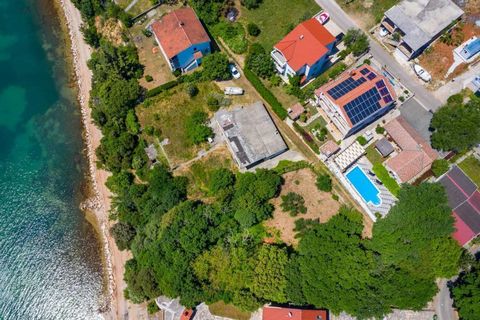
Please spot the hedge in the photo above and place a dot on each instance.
(157, 90)
(266, 94)
(285, 166)
(307, 138)
(382, 174)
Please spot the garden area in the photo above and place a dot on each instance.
(299, 188)
(380, 171)
(471, 166)
(276, 18)
(168, 114)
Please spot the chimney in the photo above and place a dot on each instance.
(290, 314)
(181, 24)
(301, 37)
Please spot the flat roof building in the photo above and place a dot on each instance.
(356, 98)
(251, 135)
(419, 22)
(384, 147)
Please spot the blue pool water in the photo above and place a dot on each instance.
(364, 186)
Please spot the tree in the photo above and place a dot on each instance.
(455, 127)
(416, 234)
(294, 203)
(196, 128)
(253, 29)
(123, 233)
(439, 167)
(259, 61)
(269, 282)
(221, 179)
(466, 293)
(356, 41)
(324, 182)
(251, 4)
(215, 67)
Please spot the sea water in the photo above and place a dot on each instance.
(50, 258)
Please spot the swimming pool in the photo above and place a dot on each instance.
(364, 186)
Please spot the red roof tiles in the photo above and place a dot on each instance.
(278, 313)
(179, 30)
(305, 44)
(416, 155)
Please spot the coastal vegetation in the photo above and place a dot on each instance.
(215, 250)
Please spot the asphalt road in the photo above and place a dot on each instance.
(443, 303)
(426, 99)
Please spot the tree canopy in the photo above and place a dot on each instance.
(466, 293)
(455, 126)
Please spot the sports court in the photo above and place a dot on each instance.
(464, 199)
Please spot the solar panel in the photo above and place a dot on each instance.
(364, 71)
(380, 84)
(363, 106)
(387, 99)
(345, 87)
(371, 76)
(384, 91)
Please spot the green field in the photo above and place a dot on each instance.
(373, 155)
(277, 17)
(471, 166)
(168, 112)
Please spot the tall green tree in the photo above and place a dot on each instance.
(455, 126)
(466, 293)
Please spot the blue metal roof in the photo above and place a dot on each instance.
(471, 49)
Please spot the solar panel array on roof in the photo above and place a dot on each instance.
(364, 71)
(380, 84)
(384, 91)
(363, 106)
(371, 76)
(345, 87)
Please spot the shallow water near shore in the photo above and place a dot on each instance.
(50, 257)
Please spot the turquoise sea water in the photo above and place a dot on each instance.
(50, 261)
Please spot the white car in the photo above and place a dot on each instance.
(234, 71)
(383, 32)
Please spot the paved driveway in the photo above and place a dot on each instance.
(424, 97)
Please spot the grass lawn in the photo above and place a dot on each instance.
(373, 155)
(275, 18)
(227, 310)
(199, 172)
(168, 113)
(471, 166)
(382, 174)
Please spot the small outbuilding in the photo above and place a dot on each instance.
(384, 147)
(295, 111)
(329, 148)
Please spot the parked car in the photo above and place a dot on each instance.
(383, 32)
(234, 71)
(323, 17)
(422, 73)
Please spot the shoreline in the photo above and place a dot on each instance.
(96, 207)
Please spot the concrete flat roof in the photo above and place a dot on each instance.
(422, 20)
(251, 134)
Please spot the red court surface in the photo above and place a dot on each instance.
(464, 199)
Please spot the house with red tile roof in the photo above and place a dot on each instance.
(414, 156)
(356, 98)
(182, 39)
(279, 313)
(304, 51)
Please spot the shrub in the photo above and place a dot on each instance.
(221, 179)
(260, 62)
(456, 99)
(253, 29)
(149, 130)
(152, 307)
(215, 67)
(285, 166)
(293, 203)
(147, 33)
(213, 103)
(362, 140)
(148, 78)
(251, 4)
(367, 61)
(439, 167)
(196, 128)
(177, 73)
(324, 182)
(335, 197)
(380, 130)
(192, 90)
(266, 94)
(382, 174)
(156, 91)
(306, 137)
(356, 41)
